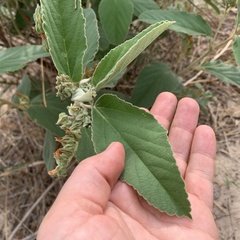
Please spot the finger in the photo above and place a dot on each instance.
(90, 184)
(182, 130)
(164, 107)
(200, 170)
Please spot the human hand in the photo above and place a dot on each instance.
(94, 204)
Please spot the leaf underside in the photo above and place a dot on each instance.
(121, 56)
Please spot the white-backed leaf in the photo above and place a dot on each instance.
(149, 164)
(15, 58)
(223, 71)
(119, 58)
(188, 23)
(64, 27)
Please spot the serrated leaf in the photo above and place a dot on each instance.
(15, 58)
(223, 71)
(149, 165)
(119, 58)
(116, 17)
(85, 146)
(49, 148)
(236, 49)
(47, 116)
(64, 27)
(187, 23)
(153, 79)
(92, 36)
(143, 5)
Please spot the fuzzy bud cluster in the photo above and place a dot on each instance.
(65, 86)
(37, 16)
(77, 118)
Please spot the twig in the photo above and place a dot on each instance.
(223, 50)
(193, 78)
(31, 209)
(213, 59)
(12, 170)
(220, 207)
(31, 236)
(6, 211)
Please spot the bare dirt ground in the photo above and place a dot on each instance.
(226, 123)
(27, 192)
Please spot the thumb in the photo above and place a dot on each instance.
(91, 182)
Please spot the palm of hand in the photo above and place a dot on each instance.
(117, 211)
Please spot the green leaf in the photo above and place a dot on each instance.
(119, 58)
(49, 148)
(47, 116)
(15, 58)
(149, 166)
(92, 36)
(116, 17)
(143, 5)
(64, 27)
(236, 49)
(153, 79)
(23, 88)
(85, 146)
(223, 71)
(103, 41)
(187, 23)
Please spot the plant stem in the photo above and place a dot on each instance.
(219, 26)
